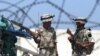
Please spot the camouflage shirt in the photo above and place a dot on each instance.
(83, 35)
(47, 38)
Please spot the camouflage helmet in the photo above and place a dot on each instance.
(80, 20)
(46, 17)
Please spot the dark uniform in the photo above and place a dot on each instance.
(8, 37)
(9, 40)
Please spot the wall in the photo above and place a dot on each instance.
(63, 45)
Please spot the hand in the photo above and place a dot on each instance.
(68, 31)
(85, 46)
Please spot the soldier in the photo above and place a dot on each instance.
(46, 37)
(2, 26)
(81, 39)
(8, 40)
(8, 37)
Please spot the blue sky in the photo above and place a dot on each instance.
(74, 7)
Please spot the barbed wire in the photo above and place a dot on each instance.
(93, 10)
(60, 14)
(15, 4)
(29, 6)
(25, 15)
(20, 9)
(58, 22)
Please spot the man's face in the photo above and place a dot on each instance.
(47, 25)
(80, 24)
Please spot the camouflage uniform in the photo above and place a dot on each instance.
(81, 35)
(47, 42)
(81, 40)
(46, 39)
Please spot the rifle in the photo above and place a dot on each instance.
(88, 45)
(23, 27)
(19, 24)
(33, 34)
(12, 21)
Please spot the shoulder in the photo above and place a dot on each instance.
(52, 29)
(87, 30)
(38, 30)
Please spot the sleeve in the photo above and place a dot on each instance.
(37, 36)
(54, 35)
